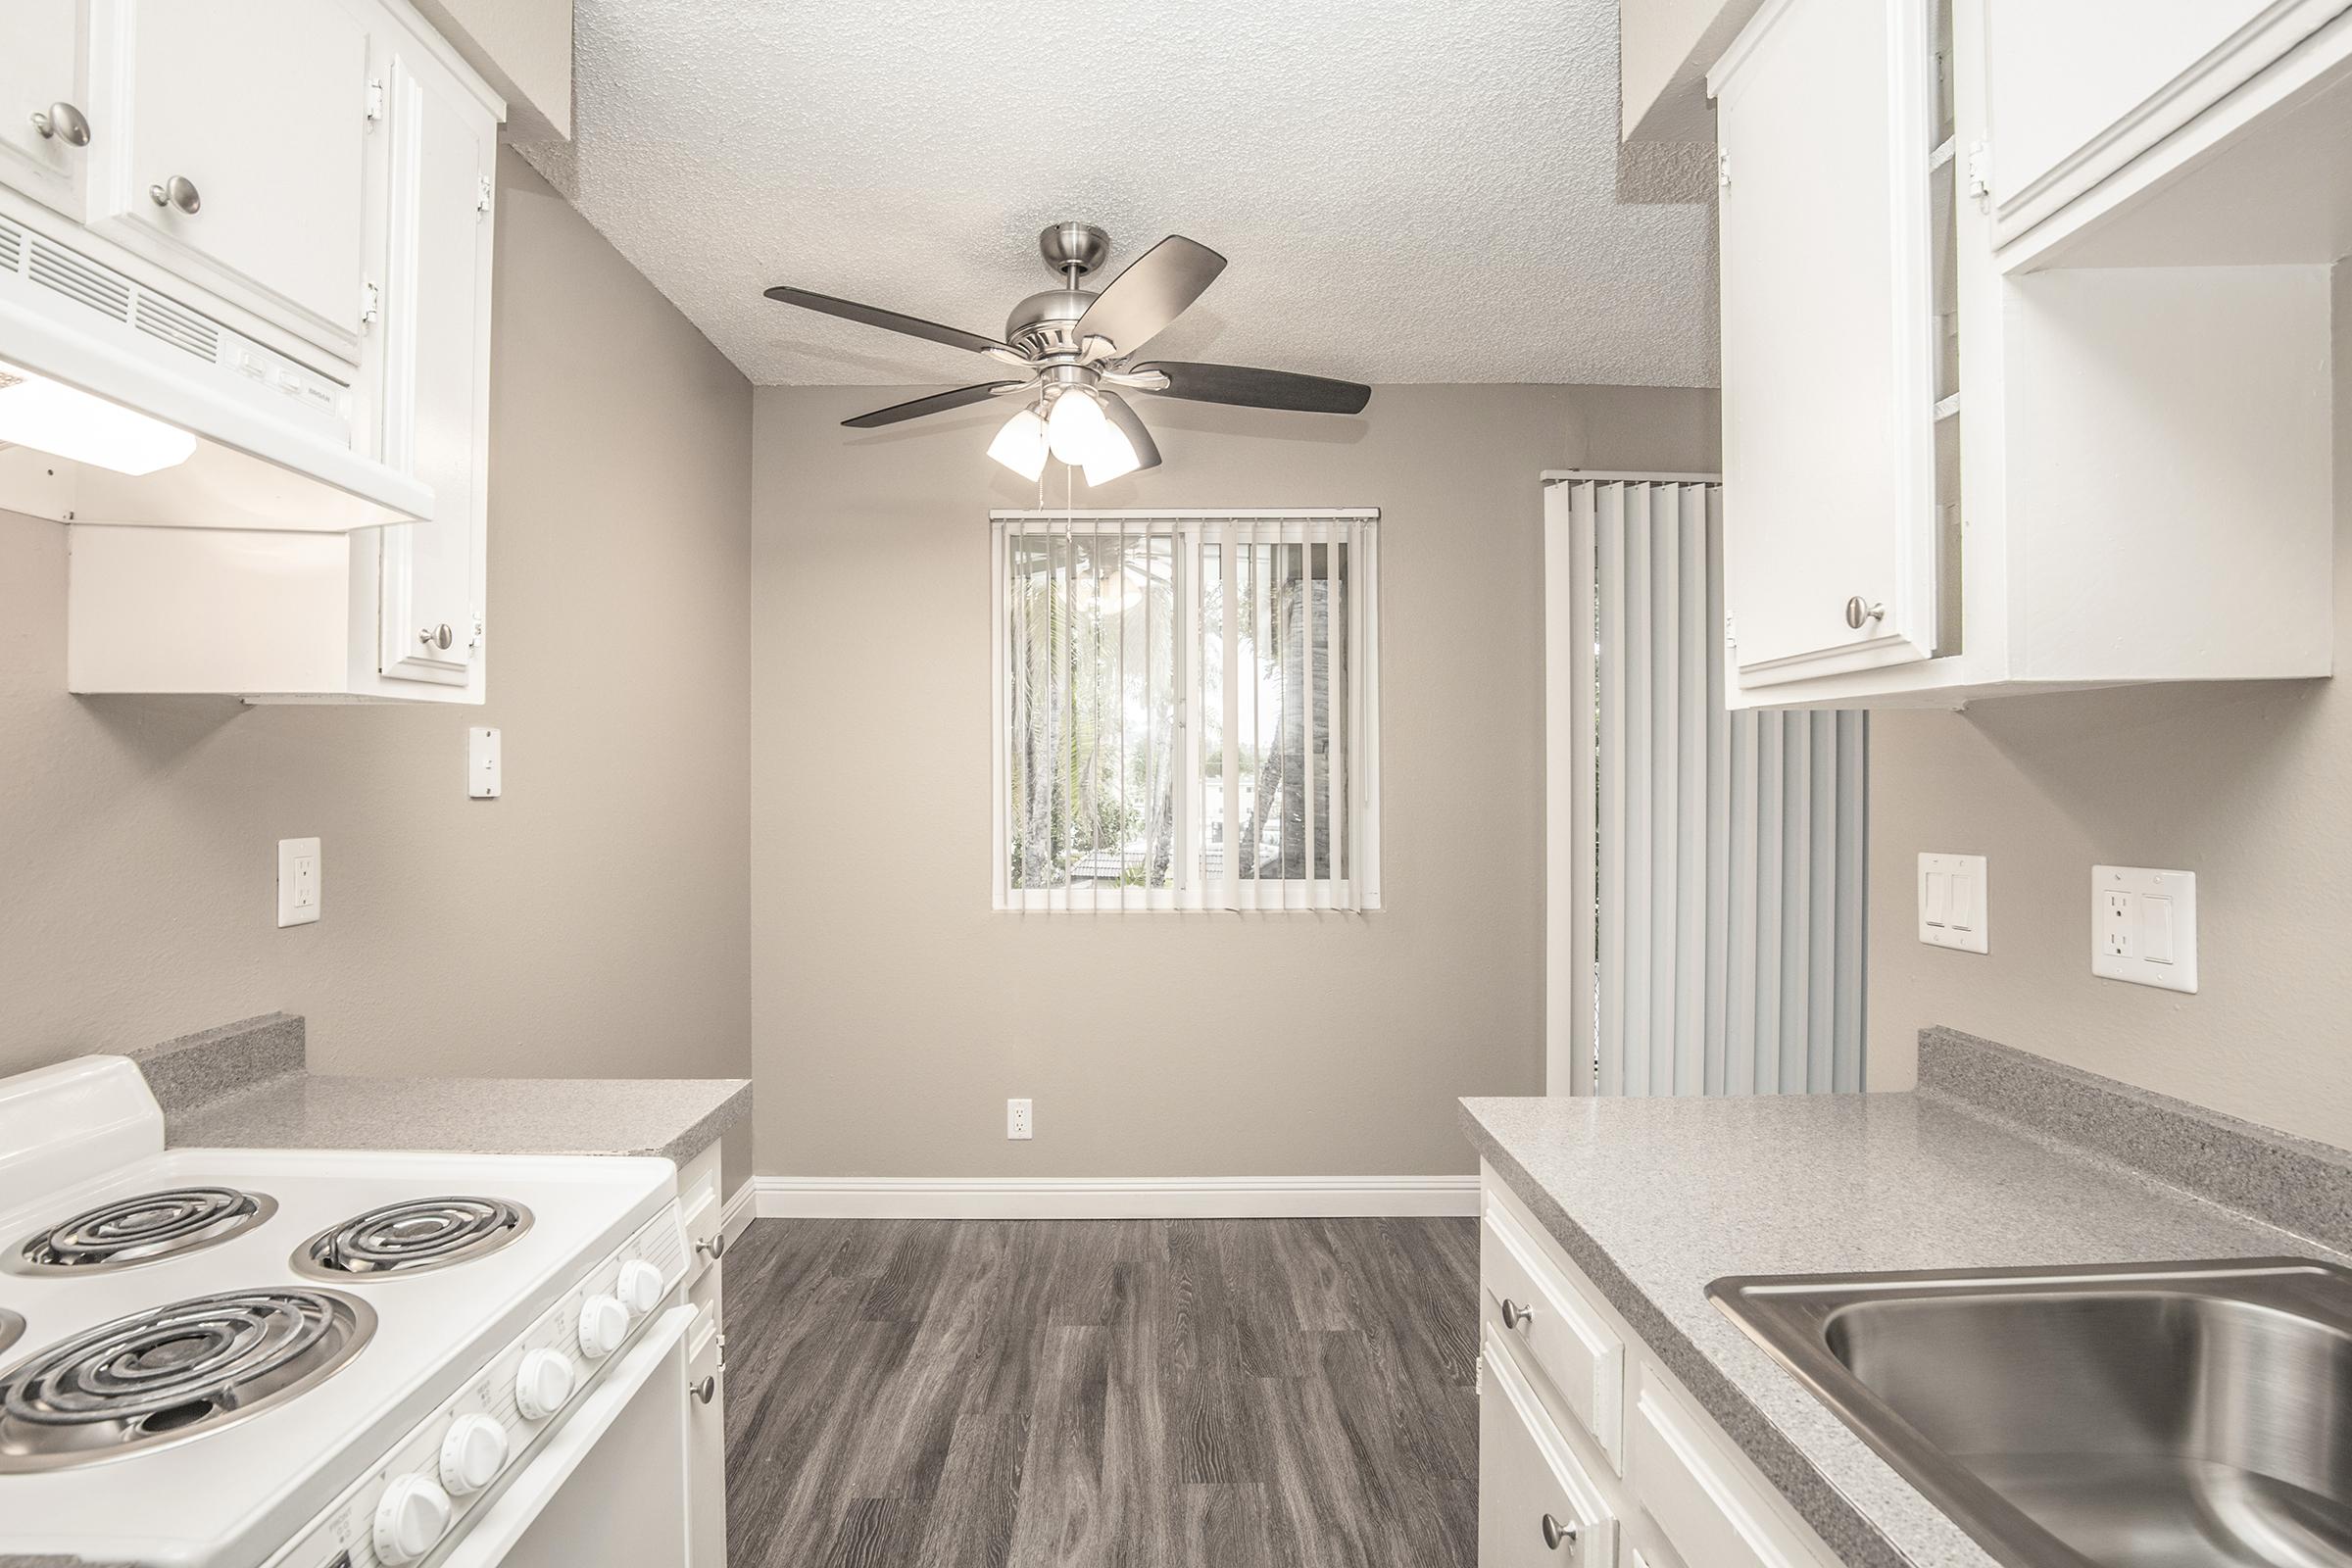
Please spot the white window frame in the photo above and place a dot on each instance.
(1195, 532)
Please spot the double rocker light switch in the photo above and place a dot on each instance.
(1951, 903)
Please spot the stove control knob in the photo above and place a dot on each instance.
(604, 1324)
(543, 1382)
(410, 1518)
(638, 1287)
(472, 1453)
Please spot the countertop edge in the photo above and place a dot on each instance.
(252, 1120)
(1815, 1496)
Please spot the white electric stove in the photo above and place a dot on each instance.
(225, 1358)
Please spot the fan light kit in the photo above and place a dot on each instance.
(1075, 348)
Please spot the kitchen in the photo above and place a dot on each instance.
(527, 761)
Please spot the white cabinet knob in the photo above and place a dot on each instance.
(472, 1453)
(410, 1518)
(638, 1287)
(543, 1382)
(604, 1324)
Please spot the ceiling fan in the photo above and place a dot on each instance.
(1076, 349)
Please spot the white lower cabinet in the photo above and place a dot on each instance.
(1536, 1505)
(705, 1441)
(1671, 1491)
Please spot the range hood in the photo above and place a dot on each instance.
(271, 437)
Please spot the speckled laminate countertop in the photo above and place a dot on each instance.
(1656, 1198)
(675, 1117)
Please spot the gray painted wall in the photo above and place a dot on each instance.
(2249, 786)
(894, 1013)
(593, 920)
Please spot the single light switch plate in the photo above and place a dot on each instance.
(1016, 1120)
(299, 879)
(1952, 907)
(483, 778)
(2143, 926)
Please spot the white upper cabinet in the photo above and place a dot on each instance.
(2150, 132)
(245, 159)
(338, 160)
(45, 127)
(1828, 393)
(437, 343)
(1950, 475)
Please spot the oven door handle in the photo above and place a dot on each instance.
(489, 1535)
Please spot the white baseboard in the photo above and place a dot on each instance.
(738, 1210)
(1112, 1197)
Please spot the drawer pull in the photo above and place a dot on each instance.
(704, 1390)
(1558, 1535)
(713, 1249)
(1515, 1316)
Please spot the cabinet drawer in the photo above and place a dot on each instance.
(1537, 1507)
(1697, 1494)
(1531, 1305)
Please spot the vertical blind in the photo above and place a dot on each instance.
(1716, 860)
(1187, 711)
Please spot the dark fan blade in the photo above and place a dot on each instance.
(1250, 388)
(888, 320)
(1152, 292)
(1131, 425)
(935, 403)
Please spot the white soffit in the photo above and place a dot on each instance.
(1419, 190)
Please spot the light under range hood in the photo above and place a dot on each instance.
(272, 437)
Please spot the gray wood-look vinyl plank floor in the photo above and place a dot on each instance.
(1148, 1393)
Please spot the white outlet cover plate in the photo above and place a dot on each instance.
(301, 876)
(484, 771)
(1017, 1120)
(1953, 908)
(2143, 926)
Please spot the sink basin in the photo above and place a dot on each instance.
(2169, 1415)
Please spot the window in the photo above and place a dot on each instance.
(1187, 711)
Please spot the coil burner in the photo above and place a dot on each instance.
(412, 1237)
(145, 1229)
(173, 1373)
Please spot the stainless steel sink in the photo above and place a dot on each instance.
(2168, 1415)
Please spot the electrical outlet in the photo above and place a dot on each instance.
(301, 878)
(1016, 1118)
(2143, 926)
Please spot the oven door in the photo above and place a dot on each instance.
(611, 1486)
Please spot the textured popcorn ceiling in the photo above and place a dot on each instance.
(1407, 190)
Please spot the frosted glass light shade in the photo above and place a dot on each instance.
(1075, 427)
(67, 422)
(1021, 445)
(1113, 455)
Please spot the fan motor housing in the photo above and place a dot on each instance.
(1043, 323)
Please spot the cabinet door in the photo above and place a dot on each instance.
(260, 109)
(43, 83)
(1537, 1508)
(1829, 337)
(437, 348)
(707, 1446)
(2081, 87)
